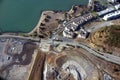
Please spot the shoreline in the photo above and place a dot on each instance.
(41, 18)
(38, 24)
(53, 11)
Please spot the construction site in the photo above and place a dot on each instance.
(24, 59)
(76, 64)
(16, 58)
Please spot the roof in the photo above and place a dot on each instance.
(117, 6)
(106, 11)
(110, 15)
(110, 9)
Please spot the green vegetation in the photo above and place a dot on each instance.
(114, 36)
(110, 52)
(34, 34)
(94, 14)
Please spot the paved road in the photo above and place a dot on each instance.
(105, 56)
(21, 37)
(104, 24)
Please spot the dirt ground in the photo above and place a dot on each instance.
(37, 71)
(77, 54)
(57, 61)
(104, 66)
(49, 22)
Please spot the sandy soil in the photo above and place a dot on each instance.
(37, 71)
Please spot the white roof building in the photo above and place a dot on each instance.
(112, 15)
(117, 6)
(72, 26)
(68, 34)
(113, 1)
(106, 11)
(83, 34)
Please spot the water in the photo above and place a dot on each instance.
(23, 15)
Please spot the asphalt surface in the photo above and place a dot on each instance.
(104, 24)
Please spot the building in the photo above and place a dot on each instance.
(75, 24)
(87, 17)
(103, 12)
(112, 1)
(108, 10)
(82, 34)
(117, 6)
(79, 20)
(68, 34)
(69, 30)
(71, 27)
(112, 15)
